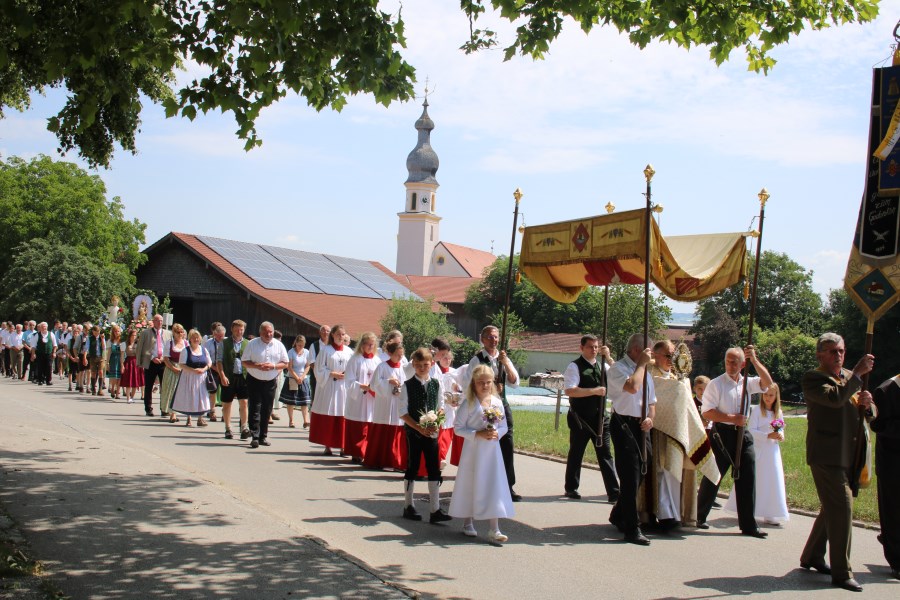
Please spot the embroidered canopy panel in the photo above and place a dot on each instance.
(563, 258)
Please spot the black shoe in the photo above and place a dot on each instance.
(149, 413)
(265, 442)
(245, 433)
(229, 435)
(411, 513)
(573, 495)
(851, 585)
(668, 524)
(895, 573)
(254, 443)
(612, 498)
(702, 525)
(756, 533)
(439, 516)
(820, 567)
(716, 504)
(515, 497)
(637, 537)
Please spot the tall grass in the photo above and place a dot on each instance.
(534, 433)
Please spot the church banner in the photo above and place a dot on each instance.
(873, 271)
(563, 258)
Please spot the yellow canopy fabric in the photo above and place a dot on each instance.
(563, 258)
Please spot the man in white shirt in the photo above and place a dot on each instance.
(27, 334)
(263, 358)
(722, 406)
(505, 374)
(625, 387)
(16, 347)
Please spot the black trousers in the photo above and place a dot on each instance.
(506, 447)
(261, 398)
(417, 445)
(628, 438)
(43, 368)
(150, 374)
(588, 410)
(744, 487)
(26, 363)
(887, 468)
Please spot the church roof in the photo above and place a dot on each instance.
(447, 290)
(422, 163)
(474, 261)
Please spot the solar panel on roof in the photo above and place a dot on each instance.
(374, 277)
(259, 265)
(296, 270)
(322, 273)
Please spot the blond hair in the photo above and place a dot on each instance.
(471, 395)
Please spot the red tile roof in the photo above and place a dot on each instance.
(450, 290)
(472, 260)
(357, 314)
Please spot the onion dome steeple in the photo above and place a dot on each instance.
(422, 163)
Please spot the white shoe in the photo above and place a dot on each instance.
(496, 537)
(131, 401)
(469, 530)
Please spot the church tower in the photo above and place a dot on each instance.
(419, 224)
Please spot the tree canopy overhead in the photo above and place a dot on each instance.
(107, 53)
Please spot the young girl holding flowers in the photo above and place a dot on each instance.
(481, 490)
(766, 424)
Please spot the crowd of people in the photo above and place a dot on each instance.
(371, 404)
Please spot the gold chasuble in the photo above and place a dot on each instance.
(680, 444)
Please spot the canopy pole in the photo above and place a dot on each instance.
(599, 442)
(745, 397)
(512, 249)
(648, 175)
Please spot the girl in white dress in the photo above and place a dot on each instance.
(771, 500)
(358, 411)
(386, 440)
(481, 490)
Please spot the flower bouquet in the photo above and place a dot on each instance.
(492, 416)
(777, 425)
(432, 421)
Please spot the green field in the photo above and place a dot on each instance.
(535, 433)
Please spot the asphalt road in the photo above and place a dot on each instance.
(119, 505)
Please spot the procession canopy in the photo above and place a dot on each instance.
(564, 258)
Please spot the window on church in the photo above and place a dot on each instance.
(433, 202)
(412, 205)
(440, 260)
(431, 237)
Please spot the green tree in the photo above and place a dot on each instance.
(788, 354)
(785, 298)
(716, 331)
(110, 53)
(59, 201)
(49, 280)
(540, 313)
(418, 321)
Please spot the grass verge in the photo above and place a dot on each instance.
(535, 433)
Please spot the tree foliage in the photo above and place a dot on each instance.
(59, 201)
(250, 53)
(540, 313)
(785, 299)
(787, 354)
(418, 321)
(716, 331)
(48, 280)
(757, 26)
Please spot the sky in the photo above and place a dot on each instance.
(573, 131)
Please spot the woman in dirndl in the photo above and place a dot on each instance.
(191, 396)
(171, 356)
(295, 393)
(114, 366)
(132, 374)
